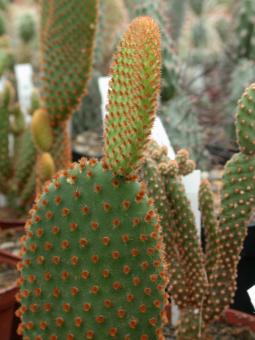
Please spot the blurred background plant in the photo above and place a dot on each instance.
(208, 51)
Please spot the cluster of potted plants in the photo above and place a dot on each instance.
(108, 244)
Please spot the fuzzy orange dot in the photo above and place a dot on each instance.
(65, 212)
(73, 226)
(56, 292)
(94, 225)
(74, 260)
(76, 194)
(59, 321)
(48, 246)
(85, 274)
(125, 238)
(47, 276)
(64, 275)
(74, 291)
(58, 200)
(90, 334)
(113, 331)
(121, 313)
(95, 259)
(116, 255)
(37, 292)
(134, 252)
(153, 322)
(100, 319)
(143, 308)
(55, 230)
(126, 269)
(43, 325)
(106, 240)
(147, 291)
(66, 307)
(106, 273)
(47, 307)
(86, 307)
(130, 297)
(133, 323)
(116, 222)
(85, 210)
(116, 285)
(107, 303)
(78, 321)
(94, 290)
(136, 281)
(39, 232)
(55, 259)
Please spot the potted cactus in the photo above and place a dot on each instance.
(202, 285)
(92, 259)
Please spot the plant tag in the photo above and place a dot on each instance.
(24, 76)
(251, 293)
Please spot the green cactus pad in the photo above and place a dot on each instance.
(67, 39)
(245, 124)
(237, 205)
(210, 224)
(178, 286)
(133, 95)
(41, 130)
(26, 158)
(92, 260)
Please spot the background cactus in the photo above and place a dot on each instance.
(211, 277)
(65, 67)
(16, 162)
(89, 220)
(245, 30)
(26, 28)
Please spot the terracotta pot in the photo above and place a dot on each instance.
(237, 318)
(8, 302)
(10, 224)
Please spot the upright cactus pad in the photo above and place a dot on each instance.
(210, 224)
(134, 91)
(67, 39)
(92, 260)
(5, 98)
(245, 121)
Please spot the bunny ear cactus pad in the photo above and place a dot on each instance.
(92, 265)
(133, 95)
(245, 123)
(238, 201)
(67, 40)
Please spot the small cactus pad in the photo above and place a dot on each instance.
(92, 260)
(41, 130)
(67, 39)
(45, 167)
(245, 121)
(133, 95)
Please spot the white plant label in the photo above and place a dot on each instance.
(251, 293)
(24, 77)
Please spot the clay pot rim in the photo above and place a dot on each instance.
(8, 294)
(239, 318)
(11, 224)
